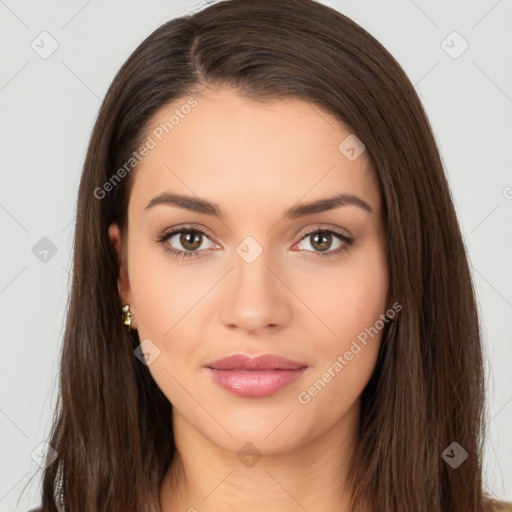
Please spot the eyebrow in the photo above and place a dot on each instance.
(199, 205)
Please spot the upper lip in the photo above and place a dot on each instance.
(263, 362)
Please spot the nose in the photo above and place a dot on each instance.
(255, 297)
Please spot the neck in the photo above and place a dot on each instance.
(206, 477)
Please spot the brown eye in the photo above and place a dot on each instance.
(191, 240)
(321, 242)
(185, 242)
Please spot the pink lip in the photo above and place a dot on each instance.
(255, 376)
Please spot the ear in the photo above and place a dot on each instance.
(123, 283)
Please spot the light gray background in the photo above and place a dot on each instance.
(48, 107)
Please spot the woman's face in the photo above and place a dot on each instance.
(259, 281)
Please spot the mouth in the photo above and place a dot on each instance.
(255, 376)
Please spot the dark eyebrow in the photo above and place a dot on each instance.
(323, 205)
(194, 204)
(198, 205)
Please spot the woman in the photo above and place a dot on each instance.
(271, 304)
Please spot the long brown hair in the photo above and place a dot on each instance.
(111, 426)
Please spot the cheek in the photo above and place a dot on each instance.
(168, 304)
(164, 298)
(162, 293)
(352, 305)
(348, 297)
(335, 388)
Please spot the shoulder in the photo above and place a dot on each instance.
(502, 507)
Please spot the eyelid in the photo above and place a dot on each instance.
(326, 227)
(169, 233)
(187, 227)
(346, 240)
(201, 229)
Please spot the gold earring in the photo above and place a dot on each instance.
(127, 316)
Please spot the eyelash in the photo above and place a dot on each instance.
(347, 242)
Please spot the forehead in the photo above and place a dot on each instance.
(272, 152)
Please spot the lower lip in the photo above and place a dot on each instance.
(255, 383)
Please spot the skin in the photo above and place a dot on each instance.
(256, 160)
